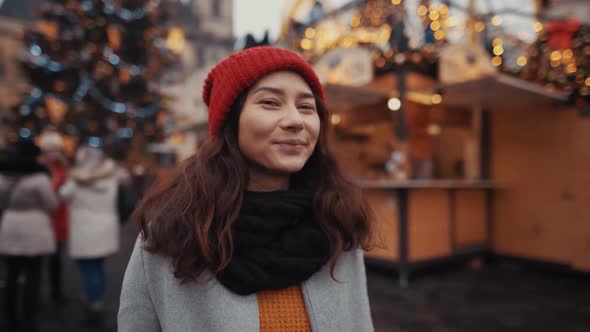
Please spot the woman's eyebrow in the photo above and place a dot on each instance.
(305, 95)
(281, 92)
(269, 89)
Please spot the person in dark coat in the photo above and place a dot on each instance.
(26, 231)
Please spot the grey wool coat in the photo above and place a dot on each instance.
(25, 228)
(152, 299)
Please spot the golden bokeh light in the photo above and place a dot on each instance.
(496, 20)
(496, 61)
(422, 10)
(306, 44)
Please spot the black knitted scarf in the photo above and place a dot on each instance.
(277, 244)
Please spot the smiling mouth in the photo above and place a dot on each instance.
(294, 142)
(291, 147)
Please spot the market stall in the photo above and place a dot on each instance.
(427, 125)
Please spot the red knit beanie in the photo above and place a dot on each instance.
(242, 70)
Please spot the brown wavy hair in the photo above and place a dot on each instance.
(190, 217)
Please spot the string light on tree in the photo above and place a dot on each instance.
(571, 68)
(498, 50)
(521, 61)
(87, 63)
(497, 61)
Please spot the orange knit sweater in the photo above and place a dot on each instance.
(283, 310)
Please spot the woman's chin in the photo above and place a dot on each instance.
(287, 167)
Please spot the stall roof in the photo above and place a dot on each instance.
(343, 98)
(499, 91)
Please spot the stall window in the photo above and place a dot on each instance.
(216, 8)
(200, 56)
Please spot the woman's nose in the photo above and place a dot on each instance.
(292, 119)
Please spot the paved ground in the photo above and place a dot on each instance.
(498, 299)
(71, 317)
(495, 299)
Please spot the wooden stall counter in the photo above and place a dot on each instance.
(423, 222)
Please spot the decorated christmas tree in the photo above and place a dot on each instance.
(93, 67)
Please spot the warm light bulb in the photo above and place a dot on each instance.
(422, 10)
(521, 61)
(480, 26)
(176, 40)
(434, 15)
(309, 33)
(335, 119)
(433, 129)
(394, 104)
(496, 20)
(498, 50)
(571, 68)
(436, 99)
(496, 61)
(555, 56)
(439, 34)
(306, 44)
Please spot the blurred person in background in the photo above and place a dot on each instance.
(26, 232)
(259, 231)
(91, 191)
(51, 144)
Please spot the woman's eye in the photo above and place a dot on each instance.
(270, 102)
(307, 107)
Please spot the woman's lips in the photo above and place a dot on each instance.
(291, 145)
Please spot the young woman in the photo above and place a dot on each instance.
(259, 231)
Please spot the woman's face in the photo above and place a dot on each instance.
(279, 123)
